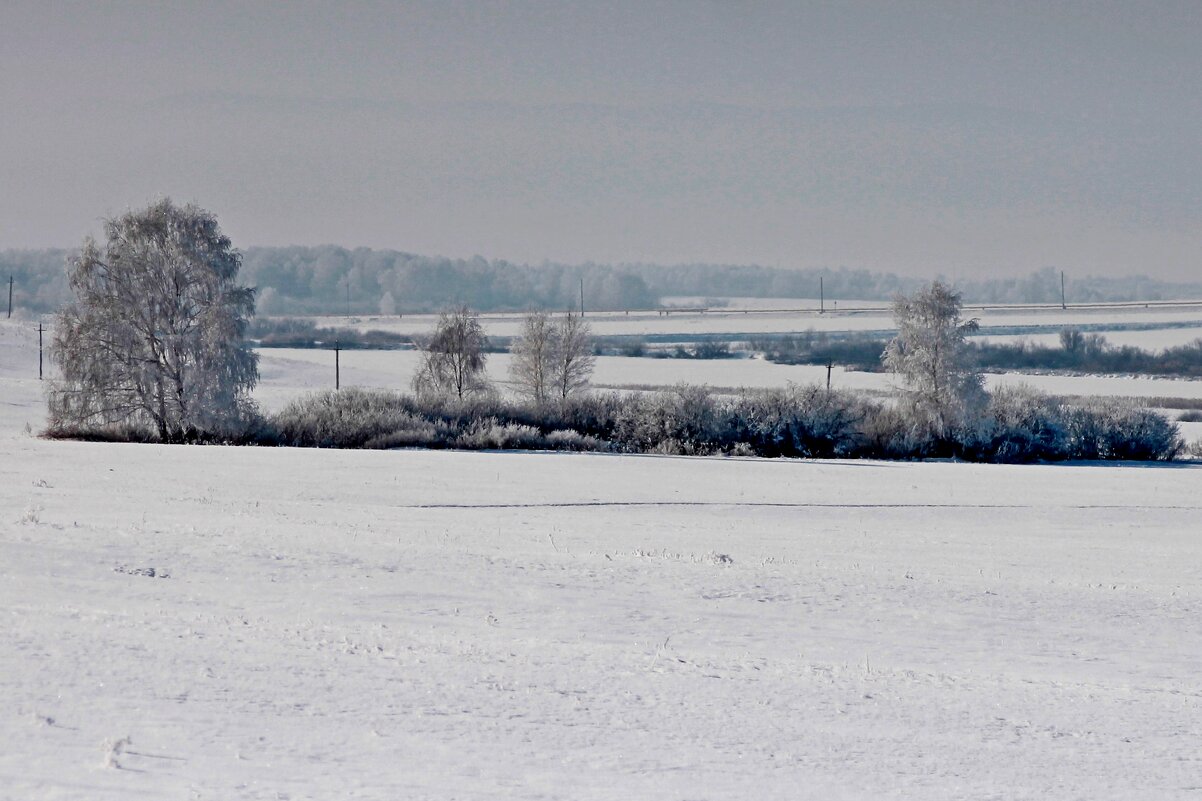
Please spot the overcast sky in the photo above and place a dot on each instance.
(920, 137)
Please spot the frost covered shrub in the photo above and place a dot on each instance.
(1116, 430)
(1019, 425)
(1144, 435)
(417, 433)
(682, 420)
(636, 428)
(360, 418)
(348, 418)
(592, 415)
(493, 434)
(110, 432)
(798, 421)
(569, 440)
(456, 412)
(886, 432)
(1193, 449)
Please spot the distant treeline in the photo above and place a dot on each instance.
(1041, 286)
(316, 280)
(39, 278)
(289, 332)
(303, 280)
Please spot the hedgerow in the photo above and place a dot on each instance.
(1018, 425)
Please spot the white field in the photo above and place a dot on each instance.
(1190, 432)
(414, 624)
(283, 369)
(767, 304)
(1153, 340)
(800, 318)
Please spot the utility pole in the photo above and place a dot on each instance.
(337, 367)
(1062, 303)
(821, 297)
(40, 329)
(582, 298)
(829, 365)
(10, 297)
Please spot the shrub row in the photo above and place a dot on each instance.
(1093, 355)
(797, 421)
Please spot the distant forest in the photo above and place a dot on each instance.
(316, 280)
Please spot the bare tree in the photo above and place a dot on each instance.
(155, 334)
(942, 387)
(535, 353)
(573, 363)
(1071, 339)
(453, 357)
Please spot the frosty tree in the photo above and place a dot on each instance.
(453, 357)
(533, 364)
(573, 364)
(154, 336)
(552, 359)
(942, 389)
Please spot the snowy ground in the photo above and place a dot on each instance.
(761, 304)
(1153, 340)
(284, 369)
(412, 624)
(755, 319)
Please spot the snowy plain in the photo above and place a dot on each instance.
(753, 319)
(1156, 339)
(412, 624)
(285, 368)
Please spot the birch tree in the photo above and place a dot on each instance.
(453, 357)
(573, 364)
(154, 336)
(941, 388)
(535, 352)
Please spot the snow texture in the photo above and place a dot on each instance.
(229, 623)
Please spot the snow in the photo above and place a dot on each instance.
(285, 369)
(1190, 432)
(1154, 340)
(413, 624)
(767, 304)
(804, 316)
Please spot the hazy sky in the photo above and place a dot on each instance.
(959, 137)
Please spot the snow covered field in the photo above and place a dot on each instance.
(804, 316)
(1154, 339)
(285, 369)
(409, 624)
